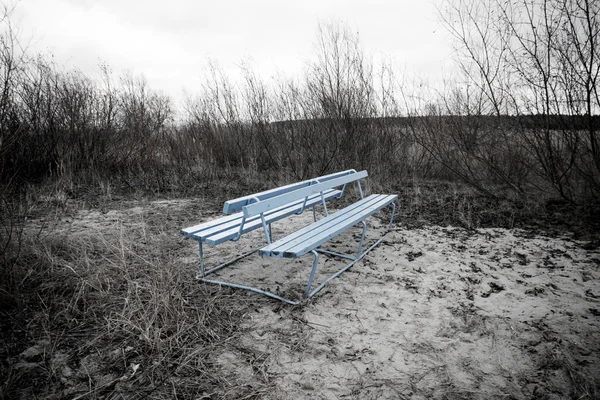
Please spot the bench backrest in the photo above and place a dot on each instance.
(300, 193)
(236, 205)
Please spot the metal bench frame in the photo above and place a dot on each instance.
(258, 207)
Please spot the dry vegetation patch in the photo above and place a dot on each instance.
(102, 306)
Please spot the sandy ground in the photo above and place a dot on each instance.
(434, 312)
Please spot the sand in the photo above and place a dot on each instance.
(433, 312)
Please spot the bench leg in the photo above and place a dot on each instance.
(307, 292)
(265, 229)
(312, 273)
(201, 258)
(344, 269)
(251, 289)
(356, 259)
(392, 217)
(362, 238)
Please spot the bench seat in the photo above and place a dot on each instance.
(226, 228)
(309, 238)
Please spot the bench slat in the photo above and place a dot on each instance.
(322, 237)
(251, 224)
(327, 228)
(317, 225)
(236, 205)
(189, 232)
(268, 204)
(279, 247)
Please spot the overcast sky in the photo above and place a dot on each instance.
(169, 42)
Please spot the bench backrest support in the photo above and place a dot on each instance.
(277, 201)
(235, 205)
(259, 203)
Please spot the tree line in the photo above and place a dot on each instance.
(519, 115)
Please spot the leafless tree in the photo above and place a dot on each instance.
(12, 58)
(538, 60)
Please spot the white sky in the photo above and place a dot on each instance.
(169, 42)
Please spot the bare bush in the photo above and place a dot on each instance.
(537, 60)
(519, 115)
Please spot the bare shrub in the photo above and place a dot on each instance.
(539, 61)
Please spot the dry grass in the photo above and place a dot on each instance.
(454, 204)
(107, 311)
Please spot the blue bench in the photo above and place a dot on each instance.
(236, 224)
(264, 208)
